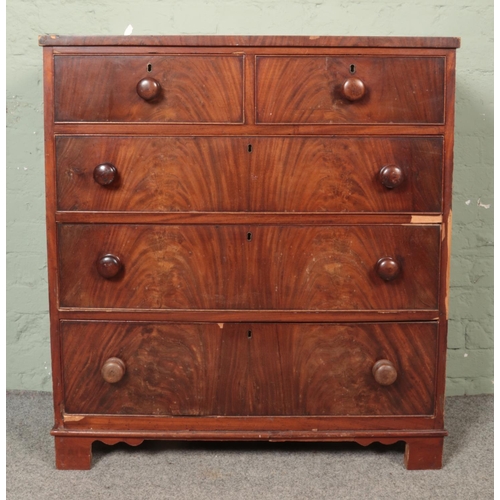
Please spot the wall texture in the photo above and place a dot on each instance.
(470, 356)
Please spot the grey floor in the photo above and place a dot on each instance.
(168, 470)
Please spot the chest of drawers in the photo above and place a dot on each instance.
(248, 239)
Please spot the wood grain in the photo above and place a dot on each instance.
(216, 267)
(341, 174)
(235, 315)
(249, 369)
(73, 453)
(239, 218)
(265, 130)
(51, 226)
(424, 453)
(168, 174)
(103, 89)
(194, 284)
(308, 90)
(249, 41)
(173, 174)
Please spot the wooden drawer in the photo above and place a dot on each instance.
(249, 267)
(282, 174)
(310, 89)
(248, 369)
(192, 88)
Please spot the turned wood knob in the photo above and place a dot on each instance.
(113, 370)
(148, 89)
(105, 174)
(108, 266)
(384, 372)
(353, 89)
(391, 176)
(387, 268)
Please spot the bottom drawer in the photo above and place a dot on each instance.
(248, 369)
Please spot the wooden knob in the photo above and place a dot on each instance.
(105, 174)
(387, 268)
(353, 89)
(113, 370)
(148, 89)
(109, 266)
(384, 372)
(391, 176)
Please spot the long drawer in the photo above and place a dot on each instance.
(143, 88)
(249, 369)
(271, 174)
(364, 267)
(350, 89)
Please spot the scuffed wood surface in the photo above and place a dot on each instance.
(308, 89)
(253, 41)
(217, 267)
(103, 89)
(219, 174)
(249, 369)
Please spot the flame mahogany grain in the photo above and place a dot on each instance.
(282, 369)
(102, 89)
(216, 174)
(310, 90)
(258, 182)
(216, 267)
(342, 174)
(164, 174)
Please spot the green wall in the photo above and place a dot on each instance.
(470, 356)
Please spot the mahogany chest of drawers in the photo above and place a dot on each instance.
(248, 239)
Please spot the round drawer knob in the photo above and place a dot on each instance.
(387, 268)
(391, 176)
(353, 89)
(108, 266)
(113, 370)
(384, 372)
(105, 174)
(148, 89)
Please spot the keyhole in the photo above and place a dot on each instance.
(249, 334)
(249, 148)
(249, 236)
(150, 67)
(352, 69)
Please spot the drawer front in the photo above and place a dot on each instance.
(299, 174)
(248, 369)
(340, 174)
(322, 89)
(185, 89)
(249, 267)
(168, 174)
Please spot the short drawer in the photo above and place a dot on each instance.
(249, 369)
(350, 89)
(365, 267)
(262, 174)
(167, 88)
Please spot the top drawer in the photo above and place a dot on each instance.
(175, 89)
(346, 89)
